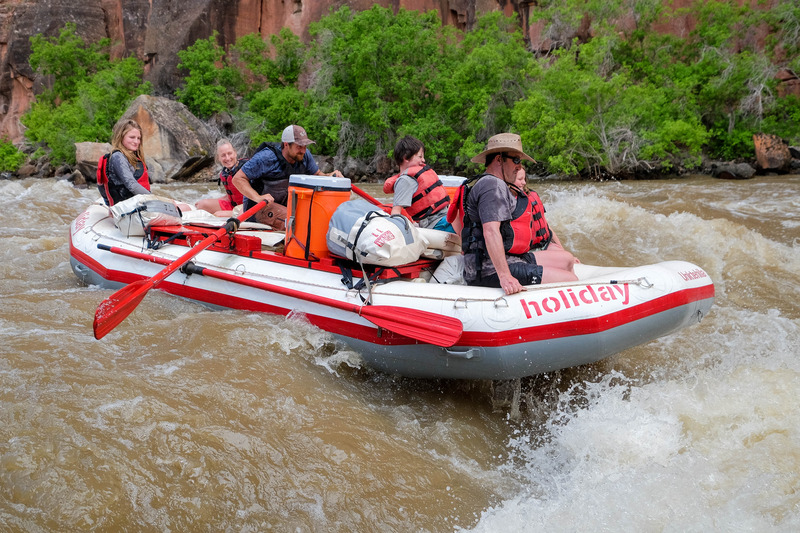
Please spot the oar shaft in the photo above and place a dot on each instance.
(414, 323)
(421, 325)
(114, 309)
(368, 197)
(202, 271)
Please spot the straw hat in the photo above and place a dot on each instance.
(502, 142)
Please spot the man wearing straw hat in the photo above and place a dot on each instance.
(490, 214)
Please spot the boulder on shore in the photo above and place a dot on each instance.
(176, 144)
(772, 152)
(732, 171)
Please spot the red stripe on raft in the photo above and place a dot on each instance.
(589, 326)
(370, 334)
(345, 328)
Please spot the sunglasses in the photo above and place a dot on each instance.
(516, 160)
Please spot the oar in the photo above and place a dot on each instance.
(119, 305)
(424, 326)
(366, 196)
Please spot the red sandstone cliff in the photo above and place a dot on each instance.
(154, 30)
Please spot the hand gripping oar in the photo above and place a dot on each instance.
(119, 305)
(423, 326)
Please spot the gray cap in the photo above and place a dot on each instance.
(296, 134)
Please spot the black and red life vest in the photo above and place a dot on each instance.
(431, 196)
(111, 189)
(527, 230)
(235, 197)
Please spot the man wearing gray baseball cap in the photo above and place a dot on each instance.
(266, 175)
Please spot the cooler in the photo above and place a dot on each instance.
(312, 201)
(451, 184)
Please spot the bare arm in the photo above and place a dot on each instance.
(241, 182)
(494, 245)
(335, 174)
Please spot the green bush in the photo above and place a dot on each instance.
(67, 60)
(10, 157)
(491, 73)
(89, 116)
(376, 73)
(212, 84)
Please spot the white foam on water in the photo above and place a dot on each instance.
(706, 435)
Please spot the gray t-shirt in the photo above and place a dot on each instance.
(489, 200)
(404, 189)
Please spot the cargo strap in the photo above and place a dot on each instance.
(305, 247)
(366, 280)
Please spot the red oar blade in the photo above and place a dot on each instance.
(119, 305)
(116, 307)
(423, 326)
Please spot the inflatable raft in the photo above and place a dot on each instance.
(403, 322)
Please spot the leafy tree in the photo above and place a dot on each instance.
(783, 22)
(619, 99)
(68, 59)
(491, 73)
(289, 59)
(274, 108)
(253, 56)
(368, 82)
(86, 99)
(212, 84)
(587, 113)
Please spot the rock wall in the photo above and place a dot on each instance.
(155, 30)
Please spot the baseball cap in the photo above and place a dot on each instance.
(296, 134)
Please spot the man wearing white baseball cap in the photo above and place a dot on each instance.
(266, 175)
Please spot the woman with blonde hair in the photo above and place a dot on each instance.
(126, 172)
(223, 206)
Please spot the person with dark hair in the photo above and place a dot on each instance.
(417, 189)
(223, 206)
(497, 239)
(126, 171)
(266, 175)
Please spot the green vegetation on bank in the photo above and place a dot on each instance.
(628, 99)
(88, 93)
(10, 157)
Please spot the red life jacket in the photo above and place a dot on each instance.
(431, 196)
(110, 189)
(541, 230)
(235, 197)
(527, 228)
